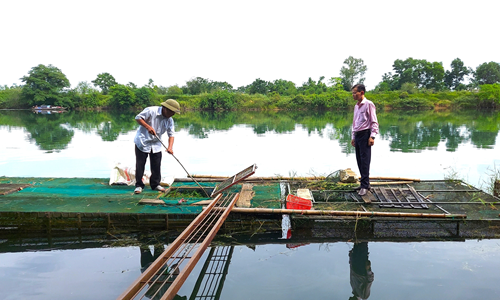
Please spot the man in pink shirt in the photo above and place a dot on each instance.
(364, 131)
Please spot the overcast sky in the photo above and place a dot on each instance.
(239, 41)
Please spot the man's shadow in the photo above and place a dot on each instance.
(361, 275)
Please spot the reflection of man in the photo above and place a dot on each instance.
(154, 120)
(364, 130)
(361, 276)
(158, 289)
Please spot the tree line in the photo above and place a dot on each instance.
(420, 83)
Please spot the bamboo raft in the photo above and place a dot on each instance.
(45, 204)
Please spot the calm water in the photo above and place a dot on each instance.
(426, 145)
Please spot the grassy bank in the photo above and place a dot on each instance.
(486, 97)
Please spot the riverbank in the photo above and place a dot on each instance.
(485, 97)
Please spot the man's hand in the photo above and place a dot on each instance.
(170, 150)
(371, 141)
(352, 143)
(151, 130)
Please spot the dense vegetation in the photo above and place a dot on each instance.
(415, 84)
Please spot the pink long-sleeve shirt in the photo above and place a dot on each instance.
(365, 117)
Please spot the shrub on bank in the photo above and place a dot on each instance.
(218, 100)
(11, 97)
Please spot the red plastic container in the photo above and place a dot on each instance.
(294, 202)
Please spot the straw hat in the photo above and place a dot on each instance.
(172, 105)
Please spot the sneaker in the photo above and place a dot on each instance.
(138, 190)
(159, 188)
(362, 191)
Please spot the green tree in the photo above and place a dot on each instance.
(353, 72)
(104, 81)
(45, 85)
(11, 97)
(424, 74)
(283, 87)
(455, 76)
(336, 84)
(197, 86)
(259, 86)
(218, 100)
(144, 96)
(122, 96)
(488, 73)
(220, 85)
(173, 91)
(85, 95)
(312, 87)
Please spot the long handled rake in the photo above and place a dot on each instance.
(183, 167)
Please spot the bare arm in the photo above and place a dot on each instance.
(170, 148)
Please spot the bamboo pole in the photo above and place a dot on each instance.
(390, 182)
(345, 213)
(218, 178)
(395, 178)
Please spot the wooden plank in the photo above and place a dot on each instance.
(383, 191)
(152, 201)
(419, 197)
(368, 197)
(9, 188)
(390, 182)
(202, 202)
(246, 195)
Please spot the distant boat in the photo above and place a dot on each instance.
(48, 109)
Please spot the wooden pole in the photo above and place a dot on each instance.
(395, 178)
(389, 182)
(345, 213)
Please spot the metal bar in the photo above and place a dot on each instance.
(203, 226)
(138, 284)
(174, 288)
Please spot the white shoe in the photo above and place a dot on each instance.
(138, 190)
(362, 191)
(159, 188)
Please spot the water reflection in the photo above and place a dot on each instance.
(406, 131)
(361, 275)
(209, 282)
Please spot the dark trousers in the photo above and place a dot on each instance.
(155, 165)
(363, 156)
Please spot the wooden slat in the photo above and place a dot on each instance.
(152, 201)
(246, 195)
(9, 188)
(417, 196)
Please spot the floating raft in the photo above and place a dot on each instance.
(90, 202)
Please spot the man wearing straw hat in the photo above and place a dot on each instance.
(154, 121)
